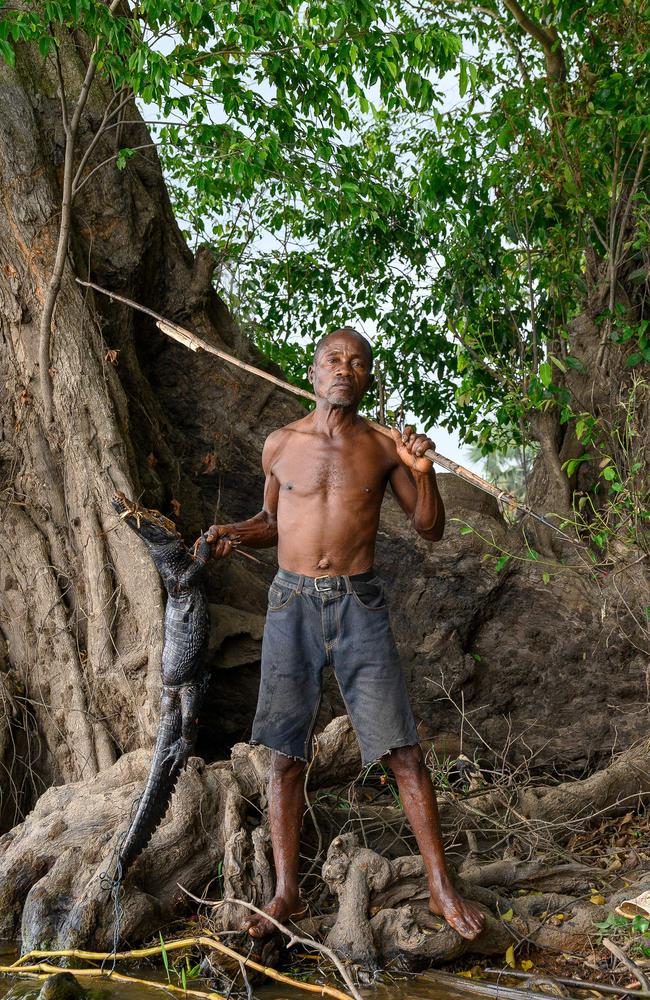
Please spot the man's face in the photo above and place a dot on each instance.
(341, 372)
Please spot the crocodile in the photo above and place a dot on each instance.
(184, 669)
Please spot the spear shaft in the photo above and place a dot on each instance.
(195, 343)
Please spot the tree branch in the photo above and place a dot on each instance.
(547, 37)
(71, 127)
(503, 31)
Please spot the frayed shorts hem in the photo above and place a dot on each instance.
(394, 746)
(283, 753)
(364, 763)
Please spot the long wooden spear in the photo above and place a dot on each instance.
(189, 339)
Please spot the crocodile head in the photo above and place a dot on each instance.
(152, 526)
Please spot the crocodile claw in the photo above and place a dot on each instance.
(177, 754)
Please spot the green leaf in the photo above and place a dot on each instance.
(501, 562)
(463, 79)
(7, 53)
(122, 157)
(546, 577)
(572, 464)
(545, 374)
(466, 529)
(163, 952)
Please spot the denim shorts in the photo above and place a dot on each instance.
(341, 622)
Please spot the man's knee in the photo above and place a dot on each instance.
(406, 761)
(286, 769)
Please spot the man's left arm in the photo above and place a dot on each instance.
(413, 481)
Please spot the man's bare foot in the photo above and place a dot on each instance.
(463, 916)
(280, 907)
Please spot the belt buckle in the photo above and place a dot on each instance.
(325, 589)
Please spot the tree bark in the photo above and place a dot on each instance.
(81, 603)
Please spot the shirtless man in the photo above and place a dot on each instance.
(326, 475)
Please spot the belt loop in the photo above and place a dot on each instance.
(300, 583)
(348, 585)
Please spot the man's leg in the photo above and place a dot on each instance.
(286, 804)
(419, 801)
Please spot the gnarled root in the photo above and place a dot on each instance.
(383, 909)
(51, 865)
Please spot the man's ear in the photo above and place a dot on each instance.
(310, 374)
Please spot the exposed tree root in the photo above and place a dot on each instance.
(369, 908)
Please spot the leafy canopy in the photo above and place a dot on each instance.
(314, 147)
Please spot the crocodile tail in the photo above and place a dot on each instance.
(155, 799)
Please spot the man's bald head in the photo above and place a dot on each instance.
(347, 331)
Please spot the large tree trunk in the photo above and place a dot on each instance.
(81, 603)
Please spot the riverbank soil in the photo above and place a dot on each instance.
(534, 670)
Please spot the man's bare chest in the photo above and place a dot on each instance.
(324, 470)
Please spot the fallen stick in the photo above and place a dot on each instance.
(195, 343)
(204, 940)
(41, 970)
(455, 983)
(293, 937)
(628, 963)
(578, 984)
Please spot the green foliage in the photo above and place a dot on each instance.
(622, 927)
(615, 504)
(165, 957)
(425, 171)
(462, 235)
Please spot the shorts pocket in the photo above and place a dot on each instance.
(372, 596)
(280, 595)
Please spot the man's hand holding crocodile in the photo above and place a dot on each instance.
(326, 475)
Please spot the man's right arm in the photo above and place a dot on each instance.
(260, 531)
